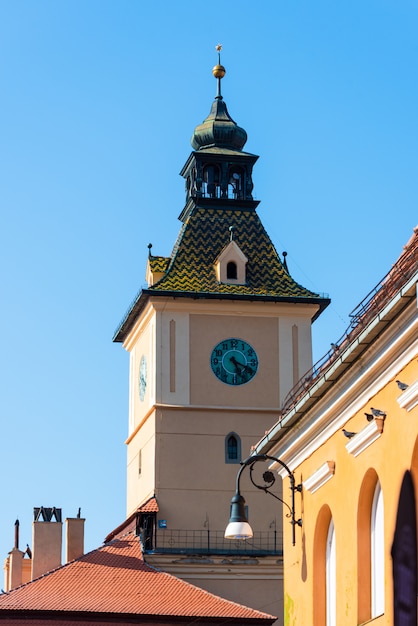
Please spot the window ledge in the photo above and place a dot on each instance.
(409, 398)
(320, 477)
(365, 437)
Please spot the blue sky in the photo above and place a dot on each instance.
(98, 103)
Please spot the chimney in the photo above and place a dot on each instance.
(74, 537)
(13, 569)
(46, 540)
(13, 564)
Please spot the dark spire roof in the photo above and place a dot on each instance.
(191, 270)
(218, 129)
(205, 235)
(191, 273)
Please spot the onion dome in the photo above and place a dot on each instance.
(219, 129)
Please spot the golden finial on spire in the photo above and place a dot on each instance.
(219, 70)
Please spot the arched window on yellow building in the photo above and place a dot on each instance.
(414, 469)
(377, 553)
(324, 570)
(331, 573)
(370, 549)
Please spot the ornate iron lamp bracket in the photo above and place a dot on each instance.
(269, 480)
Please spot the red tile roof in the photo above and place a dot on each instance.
(56, 620)
(127, 526)
(114, 579)
(150, 506)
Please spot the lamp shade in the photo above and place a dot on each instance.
(238, 526)
(238, 530)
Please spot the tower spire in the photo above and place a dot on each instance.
(219, 130)
(219, 72)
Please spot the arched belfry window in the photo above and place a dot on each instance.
(231, 270)
(236, 183)
(211, 187)
(232, 448)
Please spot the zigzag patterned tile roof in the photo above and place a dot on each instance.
(205, 235)
(191, 268)
(159, 263)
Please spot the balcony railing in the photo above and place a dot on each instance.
(369, 307)
(212, 542)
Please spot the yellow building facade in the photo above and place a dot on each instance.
(349, 433)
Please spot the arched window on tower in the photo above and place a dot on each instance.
(232, 448)
(231, 270)
(236, 183)
(211, 188)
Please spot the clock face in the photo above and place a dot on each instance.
(142, 377)
(234, 361)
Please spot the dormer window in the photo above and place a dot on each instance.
(156, 269)
(230, 266)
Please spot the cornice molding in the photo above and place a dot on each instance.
(320, 477)
(409, 398)
(365, 437)
(139, 327)
(218, 566)
(344, 402)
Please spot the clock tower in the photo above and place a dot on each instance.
(217, 339)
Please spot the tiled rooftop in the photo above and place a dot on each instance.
(191, 271)
(129, 524)
(115, 579)
(203, 237)
(159, 263)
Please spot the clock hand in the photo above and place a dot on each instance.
(241, 369)
(237, 365)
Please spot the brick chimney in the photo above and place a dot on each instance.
(13, 564)
(46, 540)
(13, 569)
(17, 569)
(74, 537)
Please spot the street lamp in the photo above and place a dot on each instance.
(238, 526)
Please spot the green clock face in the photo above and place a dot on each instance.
(142, 377)
(234, 361)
